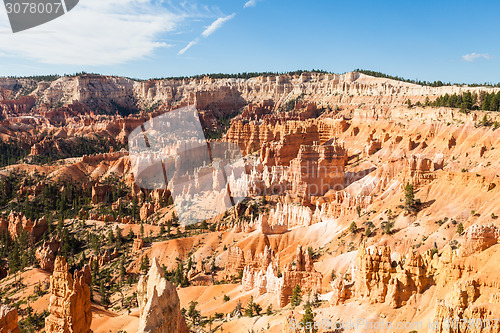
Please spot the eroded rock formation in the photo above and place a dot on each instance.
(15, 223)
(69, 300)
(159, 305)
(263, 274)
(46, 254)
(8, 320)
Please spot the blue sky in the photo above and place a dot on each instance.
(428, 40)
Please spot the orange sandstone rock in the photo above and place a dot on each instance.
(8, 320)
(69, 300)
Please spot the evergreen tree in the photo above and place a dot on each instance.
(296, 297)
(308, 319)
(409, 197)
(144, 265)
(123, 271)
(193, 313)
(249, 309)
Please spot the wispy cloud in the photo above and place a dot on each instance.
(96, 32)
(217, 24)
(471, 57)
(191, 43)
(250, 3)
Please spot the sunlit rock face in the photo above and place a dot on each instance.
(159, 305)
(69, 300)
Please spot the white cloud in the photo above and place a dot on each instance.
(95, 32)
(471, 57)
(250, 3)
(217, 24)
(194, 42)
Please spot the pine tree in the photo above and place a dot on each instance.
(145, 265)
(250, 308)
(308, 319)
(296, 298)
(123, 271)
(192, 312)
(409, 197)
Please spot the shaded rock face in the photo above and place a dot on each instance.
(8, 320)
(69, 300)
(318, 169)
(146, 210)
(159, 304)
(341, 291)
(99, 193)
(235, 261)
(373, 273)
(46, 254)
(299, 157)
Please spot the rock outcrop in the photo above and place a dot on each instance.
(8, 320)
(15, 223)
(457, 313)
(262, 274)
(159, 305)
(46, 254)
(138, 244)
(478, 238)
(100, 192)
(69, 300)
(421, 170)
(379, 279)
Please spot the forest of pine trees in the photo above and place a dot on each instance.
(470, 101)
(11, 152)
